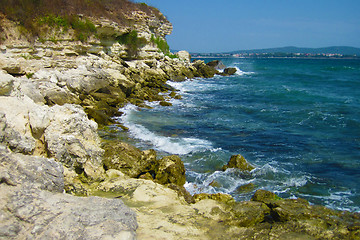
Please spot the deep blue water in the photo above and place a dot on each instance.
(296, 120)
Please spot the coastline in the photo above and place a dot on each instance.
(54, 96)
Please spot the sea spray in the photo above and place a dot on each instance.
(296, 120)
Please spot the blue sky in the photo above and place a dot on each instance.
(220, 26)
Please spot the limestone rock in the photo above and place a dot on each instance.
(239, 162)
(6, 83)
(45, 215)
(72, 139)
(184, 56)
(171, 170)
(13, 67)
(82, 80)
(19, 169)
(14, 118)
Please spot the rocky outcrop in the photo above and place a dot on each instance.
(33, 204)
(144, 164)
(52, 91)
(239, 162)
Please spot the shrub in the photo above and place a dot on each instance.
(161, 44)
(132, 43)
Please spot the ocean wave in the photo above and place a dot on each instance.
(171, 145)
(240, 72)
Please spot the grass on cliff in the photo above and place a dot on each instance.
(132, 42)
(25, 12)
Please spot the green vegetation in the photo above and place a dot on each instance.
(65, 14)
(161, 44)
(83, 27)
(132, 42)
(29, 75)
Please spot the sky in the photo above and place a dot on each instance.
(229, 25)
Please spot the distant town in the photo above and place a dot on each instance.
(274, 55)
(289, 52)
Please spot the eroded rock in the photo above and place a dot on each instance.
(239, 162)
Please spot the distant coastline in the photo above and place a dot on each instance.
(340, 52)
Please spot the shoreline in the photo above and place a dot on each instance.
(55, 96)
(311, 58)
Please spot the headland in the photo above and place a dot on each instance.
(65, 75)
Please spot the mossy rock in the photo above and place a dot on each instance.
(239, 162)
(220, 197)
(129, 159)
(246, 188)
(165, 104)
(171, 170)
(265, 196)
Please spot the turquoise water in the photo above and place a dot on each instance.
(296, 120)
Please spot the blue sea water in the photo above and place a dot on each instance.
(296, 120)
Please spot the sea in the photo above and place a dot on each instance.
(297, 121)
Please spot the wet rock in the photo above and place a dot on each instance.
(171, 170)
(239, 162)
(129, 159)
(165, 104)
(264, 196)
(229, 71)
(216, 64)
(203, 70)
(247, 214)
(246, 188)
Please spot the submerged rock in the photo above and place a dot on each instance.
(239, 162)
(229, 71)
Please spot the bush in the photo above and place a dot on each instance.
(161, 44)
(132, 43)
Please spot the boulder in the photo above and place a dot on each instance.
(73, 140)
(129, 159)
(33, 205)
(16, 131)
(203, 70)
(229, 71)
(184, 56)
(239, 162)
(6, 83)
(171, 170)
(18, 169)
(216, 64)
(264, 196)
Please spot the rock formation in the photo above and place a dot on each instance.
(59, 86)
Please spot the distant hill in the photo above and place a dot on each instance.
(344, 50)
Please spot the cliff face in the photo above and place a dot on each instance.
(64, 78)
(134, 33)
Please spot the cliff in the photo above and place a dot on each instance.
(67, 70)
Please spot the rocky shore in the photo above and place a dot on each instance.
(60, 180)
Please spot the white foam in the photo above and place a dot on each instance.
(240, 72)
(172, 145)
